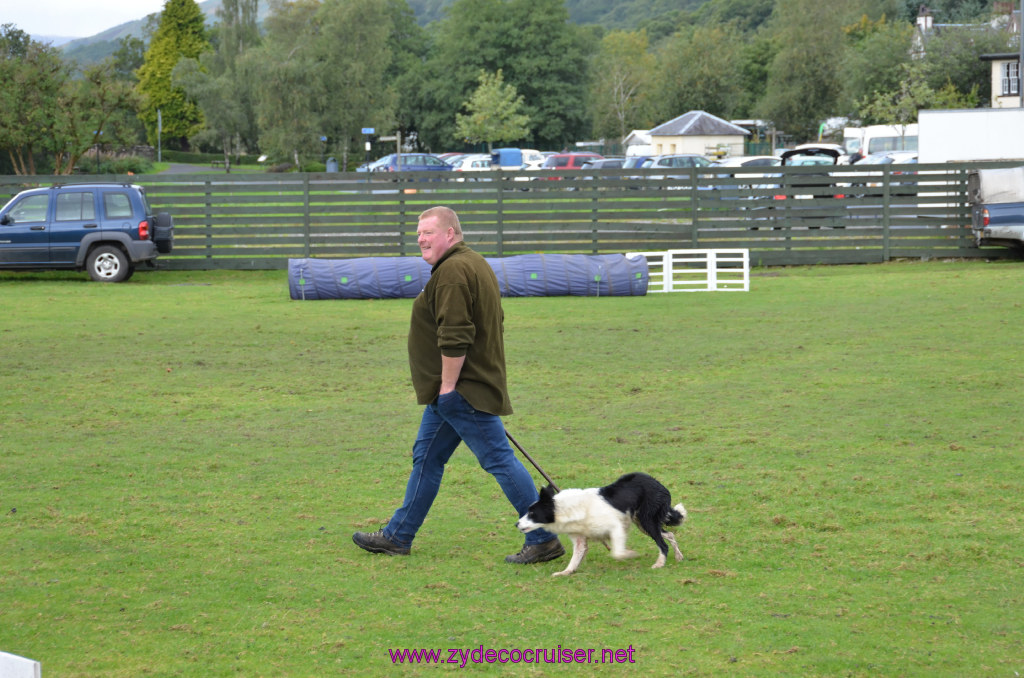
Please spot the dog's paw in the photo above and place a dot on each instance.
(563, 572)
(660, 562)
(625, 555)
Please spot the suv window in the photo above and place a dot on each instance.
(117, 206)
(75, 207)
(30, 208)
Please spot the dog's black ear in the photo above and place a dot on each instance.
(546, 491)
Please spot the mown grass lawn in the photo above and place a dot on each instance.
(184, 457)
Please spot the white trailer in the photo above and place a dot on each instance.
(968, 135)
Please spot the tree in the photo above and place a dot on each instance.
(538, 51)
(32, 76)
(698, 69)
(180, 34)
(410, 46)
(873, 60)
(217, 82)
(357, 55)
(953, 57)
(93, 110)
(321, 75)
(493, 113)
(900, 106)
(802, 79)
(620, 91)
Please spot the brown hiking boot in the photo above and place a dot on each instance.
(539, 553)
(376, 542)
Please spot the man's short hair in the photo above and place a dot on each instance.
(446, 218)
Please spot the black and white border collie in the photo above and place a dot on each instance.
(604, 513)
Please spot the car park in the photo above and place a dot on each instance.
(106, 229)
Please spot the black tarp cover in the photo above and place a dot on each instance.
(527, 275)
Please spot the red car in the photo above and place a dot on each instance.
(569, 161)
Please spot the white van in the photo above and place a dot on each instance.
(879, 139)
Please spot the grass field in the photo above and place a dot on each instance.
(184, 457)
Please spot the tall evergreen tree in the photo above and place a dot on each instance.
(181, 34)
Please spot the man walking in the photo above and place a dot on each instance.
(457, 359)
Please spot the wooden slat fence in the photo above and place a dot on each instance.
(784, 216)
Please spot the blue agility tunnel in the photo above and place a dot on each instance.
(528, 275)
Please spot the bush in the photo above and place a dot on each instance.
(130, 165)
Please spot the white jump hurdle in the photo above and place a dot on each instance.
(13, 666)
(697, 270)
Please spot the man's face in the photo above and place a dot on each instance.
(433, 239)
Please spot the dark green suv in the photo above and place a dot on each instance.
(105, 229)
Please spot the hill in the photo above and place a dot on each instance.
(625, 14)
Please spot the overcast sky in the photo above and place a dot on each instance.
(74, 18)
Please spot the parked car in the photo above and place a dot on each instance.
(807, 186)
(604, 163)
(734, 178)
(677, 160)
(559, 162)
(890, 158)
(474, 162)
(103, 228)
(507, 158)
(568, 161)
(372, 165)
(872, 180)
(634, 161)
(532, 159)
(412, 162)
(811, 154)
(996, 197)
(749, 161)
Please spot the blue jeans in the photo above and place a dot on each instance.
(446, 422)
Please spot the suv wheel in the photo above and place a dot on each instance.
(108, 263)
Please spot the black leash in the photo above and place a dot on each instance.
(535, 465)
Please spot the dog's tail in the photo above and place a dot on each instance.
(674, 516)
